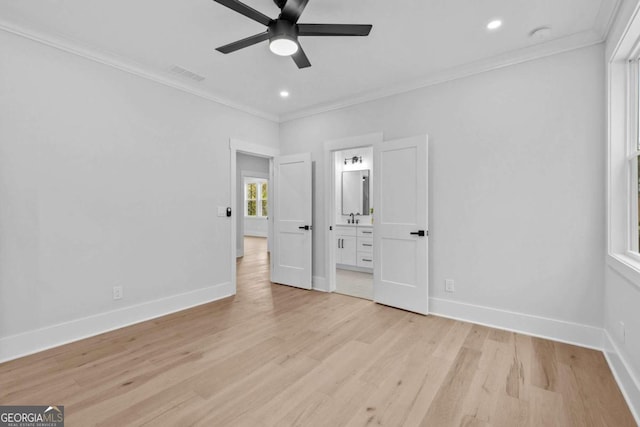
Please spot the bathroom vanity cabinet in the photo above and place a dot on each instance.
(354, 245)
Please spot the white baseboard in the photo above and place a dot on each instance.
(355, 268)
(255, 233)
(15, 346)
(553, 329)
(319, 284)
(628, 382)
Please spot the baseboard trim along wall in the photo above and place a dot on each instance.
(319, 284)
(628, 382)
(553, 329)
(251, 233)
(15, 346)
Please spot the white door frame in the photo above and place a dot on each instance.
(237, 146)
(331, 146)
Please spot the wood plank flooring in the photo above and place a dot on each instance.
(279, 356)
(354, 283)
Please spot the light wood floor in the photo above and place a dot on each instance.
(278, 356)
(354, 283)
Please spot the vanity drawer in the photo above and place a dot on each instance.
(365, 244)
(345, 230)
(365, 231)
(365, 260)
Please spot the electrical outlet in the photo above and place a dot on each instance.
(622, 331)
(117, 292)
(449, 285)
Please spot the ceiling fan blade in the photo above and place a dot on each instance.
(293, 9)
(240, 44)
(333, 29)
(300, 58)
(245, 10)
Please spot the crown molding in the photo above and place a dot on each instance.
(128, 66)
(606, 17)
(553, 47)
(603, 24)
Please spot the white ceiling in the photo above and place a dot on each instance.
(413, 43)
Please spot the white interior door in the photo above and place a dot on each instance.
(291, 251)
(401, 224)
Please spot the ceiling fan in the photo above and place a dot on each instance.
(283, 32)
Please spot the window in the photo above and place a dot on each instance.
(633, 157)
(256, 197)
(263, 199)
(623, 178)
(252, 198)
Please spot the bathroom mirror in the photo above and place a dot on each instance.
(355, 192)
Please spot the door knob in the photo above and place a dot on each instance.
(305, 227)
(418, 233)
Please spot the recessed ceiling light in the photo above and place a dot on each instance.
(494, 25)
(284, 93)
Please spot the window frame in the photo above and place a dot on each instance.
(633, 154)
(623, 99)
(259, 182)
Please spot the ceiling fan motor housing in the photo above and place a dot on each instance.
(282, 29)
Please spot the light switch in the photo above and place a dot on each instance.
(222, 211)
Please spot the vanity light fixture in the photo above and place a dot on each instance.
(354, 160)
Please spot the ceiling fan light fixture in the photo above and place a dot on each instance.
(283, 46)
(283, 31)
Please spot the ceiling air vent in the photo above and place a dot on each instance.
(186, 73)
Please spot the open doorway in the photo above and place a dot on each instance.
(289, 213)
(399, 234)
(253, 188)
(353, 221)
(342, 234)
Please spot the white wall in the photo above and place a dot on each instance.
(516, 181)
(622, 304)
(257, 227)
(246, 163)
(107, 178)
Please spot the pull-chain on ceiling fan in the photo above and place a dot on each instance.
(283, 32)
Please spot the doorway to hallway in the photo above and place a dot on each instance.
(253, 269)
